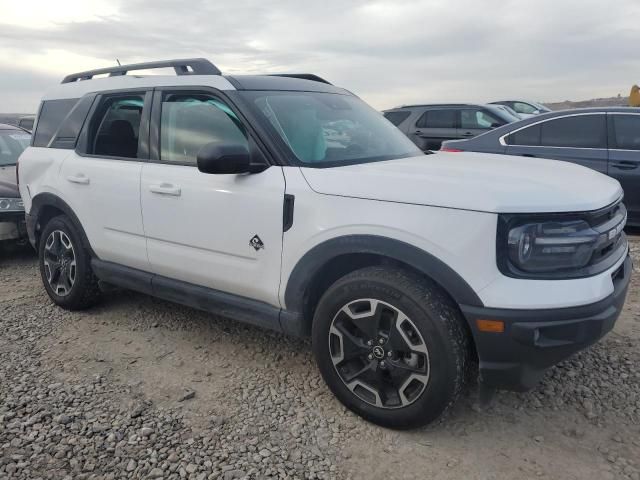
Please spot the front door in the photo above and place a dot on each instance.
(624, 159)
(221, 231)
(474, 121)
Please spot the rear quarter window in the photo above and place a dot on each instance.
(52, 113)
(397, 117)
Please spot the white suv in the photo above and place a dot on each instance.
(288, 203)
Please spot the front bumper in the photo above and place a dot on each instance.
(12, 226)
(534, 340)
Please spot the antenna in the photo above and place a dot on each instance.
(119, 64)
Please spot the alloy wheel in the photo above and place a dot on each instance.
(59, 263)
(379, 353)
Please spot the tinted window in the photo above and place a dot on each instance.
(396, 117)
(189, 122)
(627, 128)
(476, 118)
(12, 144)
(582, 131)
(51, 115)
(529, 136)
(115, 126)
(437, 119)
(68, 133)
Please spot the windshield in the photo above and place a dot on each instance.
(12, 144)
(505, 112)
(541, 107)
(326, 129)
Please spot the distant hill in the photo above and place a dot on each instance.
(594, 102)
(12, 118)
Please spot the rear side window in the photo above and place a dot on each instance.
(437, 119)
(581, 131)
(115, 126)
(52, 113)
(627, 131)
(529, 137)
(397, 117)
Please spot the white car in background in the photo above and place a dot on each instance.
(524, 108)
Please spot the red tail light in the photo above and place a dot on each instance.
(449, 149)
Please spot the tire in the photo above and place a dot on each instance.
(421, 338)
(60, 240)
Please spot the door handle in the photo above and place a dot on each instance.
(467, 134)
(623, 165)
(81, 178)
(417, 132)
(165, 189)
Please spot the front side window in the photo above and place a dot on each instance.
(581, 131)
(327, 129)
(191, 121)
(475, 118)
(12, 144)
(521, 107)
(116, 126)
(437, 119)
(627, 128)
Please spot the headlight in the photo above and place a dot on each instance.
(11, 205)
(560, 246)
(551, 246)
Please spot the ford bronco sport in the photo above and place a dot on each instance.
(288, 203)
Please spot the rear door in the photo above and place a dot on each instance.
(578, 138)
(102, 176)
(624, 158)
(433, 127)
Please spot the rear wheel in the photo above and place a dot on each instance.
(391, 346)
(65, 266)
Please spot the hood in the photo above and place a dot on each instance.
(8, 187)
(472, 181)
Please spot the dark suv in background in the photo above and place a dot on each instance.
(604, 139)
(430, 125)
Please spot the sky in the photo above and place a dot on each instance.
(387, 52)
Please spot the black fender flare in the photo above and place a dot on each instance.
(303, 274)
(39, 203)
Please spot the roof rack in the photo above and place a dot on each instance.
(187, 66)
(303, 76)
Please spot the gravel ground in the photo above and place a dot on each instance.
(140, 388)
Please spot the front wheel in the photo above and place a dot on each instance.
(391, 346)
(65, 266)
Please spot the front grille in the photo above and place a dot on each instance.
(609, 222)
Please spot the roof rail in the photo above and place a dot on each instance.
(303, 76)
(187, 66)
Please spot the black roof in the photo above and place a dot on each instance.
(283, 82)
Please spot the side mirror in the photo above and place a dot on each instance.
(226, 158)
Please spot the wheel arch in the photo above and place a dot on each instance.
(325, 263)
(46, 206)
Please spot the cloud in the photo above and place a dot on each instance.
(388, 52)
